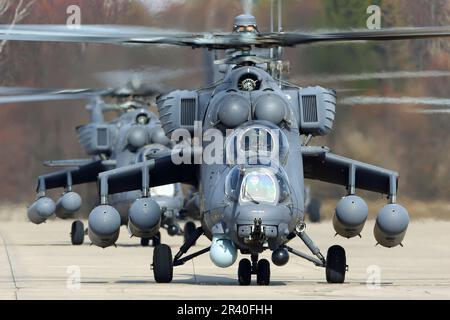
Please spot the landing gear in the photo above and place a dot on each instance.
(162, 264)
(314, 210)
(263, 273)
(189, 229)
(156, 240)
(245, 272)
(77, 233)
(261, 268)
(162, 258)
(336, 265)
(145, 242)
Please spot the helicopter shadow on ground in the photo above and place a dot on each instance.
(202, 280)
(41, 245)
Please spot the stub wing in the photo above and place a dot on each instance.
(161, 171)
(320, 164)
(83, 174)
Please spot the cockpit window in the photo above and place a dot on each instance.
(259, 186)
(249, 28)
(255, 143)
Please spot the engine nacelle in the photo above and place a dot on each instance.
(68, 204)
(104, 226)
(223, 253)
(41, 210)
(350, 216)
(144, 218)
(391, 225)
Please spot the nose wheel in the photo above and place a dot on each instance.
(77, 233)
(245, 272)
(263, 273)
(260, 268)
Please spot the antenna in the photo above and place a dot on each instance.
(279, 63)
(280, 26)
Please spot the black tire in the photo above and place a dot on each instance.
(189, 230)
(77, 233)
(336, 265)
(245, 272)
(314, 211)
(263, 273)
(145, 242)
(162, 264)
(156, 240)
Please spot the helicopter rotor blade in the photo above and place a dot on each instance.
(384, 75)
(378, 100)
(432, 111)
(42, 95)
(24, 90)
(143, 81)
(142, 35)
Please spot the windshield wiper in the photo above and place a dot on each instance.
(247, 194)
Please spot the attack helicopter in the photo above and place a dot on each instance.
(134, 136)
(256, 203)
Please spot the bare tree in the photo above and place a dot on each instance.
(20, 9)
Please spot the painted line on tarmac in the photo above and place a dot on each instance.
(11, 268)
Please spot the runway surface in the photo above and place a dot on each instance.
(38, 262)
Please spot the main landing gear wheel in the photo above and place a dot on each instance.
(77, 233)
(314, 211)
(189, 230)
(263, 273)
(145, 242)
(245, 272)
(336, 265)
(156, 240)
(162, 264)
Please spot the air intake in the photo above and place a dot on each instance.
(317, 110)
(310, 108)
(188, 110)
(178, 110)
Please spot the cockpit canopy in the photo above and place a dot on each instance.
(257, 142)
(257, 184)
(245, 23)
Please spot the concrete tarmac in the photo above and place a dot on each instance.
(38, 262)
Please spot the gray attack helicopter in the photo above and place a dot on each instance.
(134, 136)
(253, 200)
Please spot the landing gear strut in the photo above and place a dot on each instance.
(154, 241)
(189, 229)
(260, 268)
